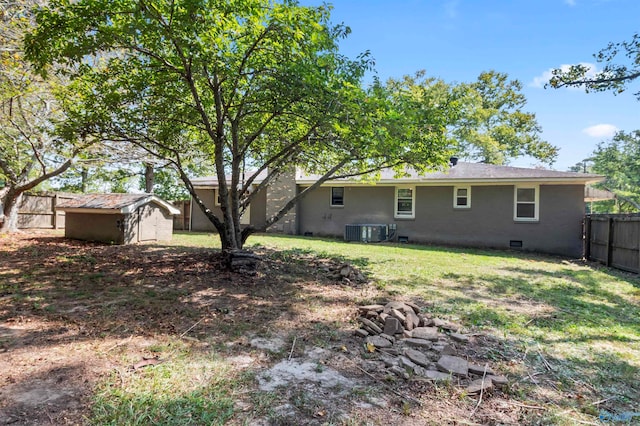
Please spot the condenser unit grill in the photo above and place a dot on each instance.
(365, 233)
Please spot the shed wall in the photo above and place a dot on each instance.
(95, 227)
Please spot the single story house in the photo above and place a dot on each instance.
(468, 204)
(118, 218)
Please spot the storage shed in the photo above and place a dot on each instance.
(118, 218)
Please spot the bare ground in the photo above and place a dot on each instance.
(73, 314)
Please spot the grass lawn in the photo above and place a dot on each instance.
(573, 325)
(76, 317)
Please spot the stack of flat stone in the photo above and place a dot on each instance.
(349, 273)
(415, 345)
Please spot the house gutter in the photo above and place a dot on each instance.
(440, 182)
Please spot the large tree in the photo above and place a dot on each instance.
(242, 84)
(619, 160)
(494, 127)
(30, 152)
(621, 67)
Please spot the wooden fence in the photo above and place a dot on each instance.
(38, 211)
(181, 221)
(613, 240)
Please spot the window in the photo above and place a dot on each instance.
(526, 206)
(216, 197)
(405, 202)
(461, 197)
(337, 196)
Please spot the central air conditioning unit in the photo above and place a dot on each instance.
(366, 233)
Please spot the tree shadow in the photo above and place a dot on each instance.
(57, 294)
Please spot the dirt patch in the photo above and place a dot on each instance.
(74, 313)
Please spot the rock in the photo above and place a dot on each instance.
(406, 362)
(394, 305)
(389, 338)
(463, 338)
(418, 370)
(389, 360)
(346, 270)
(499, 381)
(445, 349)
(361, 332)
(427, 333)
(397, 314)
(437, 322)
(454, 365)
(417, 357)
(451, 326)
(434, 375)
(370, 324)
(378, 342)
(367, 308)
(392, 351)
(480, 385)
(412, 320)
(399, 371)
(383, 317)
(425, 322)
(479, 370)
(416, 308)
(371, 315)
(420, 343)
(392, 326)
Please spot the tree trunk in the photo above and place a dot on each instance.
(84, 179)
(10, 206)
(148, 178)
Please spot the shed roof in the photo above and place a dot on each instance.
(113, 203)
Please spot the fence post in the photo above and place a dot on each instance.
(609, 241)
(587, 237)
(54, 206)
(637, 224)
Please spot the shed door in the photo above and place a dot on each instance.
(148, 223)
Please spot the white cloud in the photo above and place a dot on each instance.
(544, 78)
(601, 131)
(570, 2)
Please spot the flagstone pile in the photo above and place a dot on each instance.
(418, 346)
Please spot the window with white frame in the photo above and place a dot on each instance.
(337, 196)
(461, 197)
(405, 202)
(216, 197)
(526, 203)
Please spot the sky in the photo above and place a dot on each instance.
(456, 40)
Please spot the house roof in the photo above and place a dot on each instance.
(112, 203)
(473, 173)
(212, 181)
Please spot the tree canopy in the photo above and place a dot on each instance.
(30, 150)
(241, 84)
(621, 67)
(257, 87)
(493, 125)
(619, 160)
